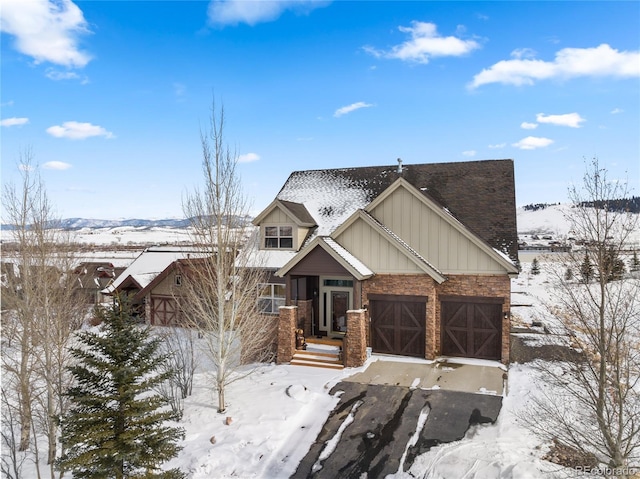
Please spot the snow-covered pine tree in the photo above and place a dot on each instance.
(586, 268)
(116, 425)
(535, 266)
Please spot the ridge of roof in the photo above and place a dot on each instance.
(480, 194)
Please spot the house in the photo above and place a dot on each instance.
(91, 277)
(153, 280)
(410, 260)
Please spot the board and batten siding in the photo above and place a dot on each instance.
(277, 217)
(430, 234)
(375, 250)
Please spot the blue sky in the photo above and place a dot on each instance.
(110, 96)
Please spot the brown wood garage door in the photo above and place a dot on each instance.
(472, 328)
(164, 311)
(398, 325)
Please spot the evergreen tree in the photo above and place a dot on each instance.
(535, 266)
(586, 268)
(115, 428)
(568, 274)
(614, 267)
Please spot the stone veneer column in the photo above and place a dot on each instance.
(355, 340)
(286, 333)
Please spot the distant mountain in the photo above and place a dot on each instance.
(75, 224)
(79, 223)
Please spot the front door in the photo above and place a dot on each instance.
(336, 298)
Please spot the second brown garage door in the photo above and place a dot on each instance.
(472, 328)
(398, 324)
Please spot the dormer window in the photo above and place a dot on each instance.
(278, 237)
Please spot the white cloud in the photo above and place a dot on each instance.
(46, 30)
(57, 75)
(615, 111)
(497, 146)
(14, 121)
(78, 131)
(568, 63)
(572, 120)
(528, 126)
(424, 44)
(469, 153)
(349, 108)
(532, 143)
(56, 165)
(248, 158)
(233, 12)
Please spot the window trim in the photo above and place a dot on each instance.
(279, 237)
(274, 308)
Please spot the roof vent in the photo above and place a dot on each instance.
(399, 170)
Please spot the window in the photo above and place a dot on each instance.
(278, 237)
(270, 297)
(178, 280)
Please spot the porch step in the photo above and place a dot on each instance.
(325, 341)
(319, 356)
(315, 364)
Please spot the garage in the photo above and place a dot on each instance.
(164, 311)
(398, 324)
(472, 327)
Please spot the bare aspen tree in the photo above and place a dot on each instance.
(593, 404)
(220, 286)
(41, 308)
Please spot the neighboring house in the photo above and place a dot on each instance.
(94, 276)
(422, 253)
(153, 281)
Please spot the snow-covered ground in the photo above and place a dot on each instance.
(276, 413)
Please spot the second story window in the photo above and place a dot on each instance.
(278, 237)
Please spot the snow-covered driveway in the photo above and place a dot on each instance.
(380, 429)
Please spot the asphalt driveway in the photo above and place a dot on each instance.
(378, 428)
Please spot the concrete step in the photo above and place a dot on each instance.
(324, 341)
(318, 354)
(316, 364)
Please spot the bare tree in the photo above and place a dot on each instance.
(220, 286)
(593, 404)
(42, 309)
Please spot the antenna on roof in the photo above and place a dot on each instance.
(399, 170)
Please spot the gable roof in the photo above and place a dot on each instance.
(296, 211)
(148, 265)
(344, 258)
(479, 194)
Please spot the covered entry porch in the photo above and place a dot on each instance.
(324, 282)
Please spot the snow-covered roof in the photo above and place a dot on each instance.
(358, 265)
(330, 199)
(151, 263)
(478, 194)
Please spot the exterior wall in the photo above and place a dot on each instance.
(167, 287)
(494, 286)
(415, 285)
(431, 234)
(374, 250)
(277, 217)
(497, 286)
